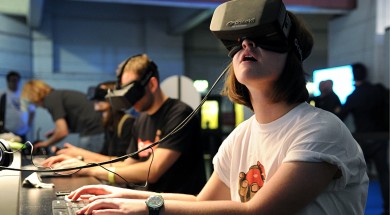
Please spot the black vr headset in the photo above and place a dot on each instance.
(5, 158)
(99, 92)
(265, 22)
(124, 97)
(96, 93)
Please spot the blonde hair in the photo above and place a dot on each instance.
(35, 91)
(137, 64)
(140, 65)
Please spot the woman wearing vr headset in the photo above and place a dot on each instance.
(288, 158)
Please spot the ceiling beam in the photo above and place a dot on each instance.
(35, 12)
(14, 7)
(32, 9)
(180, 25)
(321, 4)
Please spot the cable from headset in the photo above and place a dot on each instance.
(133, 185)
(110, 143)
(189, 117)
(32, 160)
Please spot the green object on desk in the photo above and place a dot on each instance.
(16, 145)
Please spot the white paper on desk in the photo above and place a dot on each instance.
(34, 180)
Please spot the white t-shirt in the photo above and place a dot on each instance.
(254, 152)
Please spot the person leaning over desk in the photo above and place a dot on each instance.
(71, 112)
(117, 126)
(288, 158)
(178, 164)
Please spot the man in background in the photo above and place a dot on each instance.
(15, 117)
(328, 100)
(71, 112)
(174, 165)
(368, 105)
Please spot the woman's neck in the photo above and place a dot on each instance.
(267, 111)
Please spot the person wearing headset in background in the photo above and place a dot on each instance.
(288, 158)
(70, 110)
(117, 124)
(176, 164)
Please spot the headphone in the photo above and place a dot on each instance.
(5, 158)
(137, 91)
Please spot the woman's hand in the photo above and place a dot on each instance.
(103, 191)
(115, 206)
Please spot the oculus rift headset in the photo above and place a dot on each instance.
(265, 22)
(97, 93)
(5, 158)
(124, 97)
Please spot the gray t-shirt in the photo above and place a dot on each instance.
(76, 109)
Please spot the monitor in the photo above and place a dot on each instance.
(342, 77)
(210, 115)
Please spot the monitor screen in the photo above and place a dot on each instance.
(209, 114)
(342, 77)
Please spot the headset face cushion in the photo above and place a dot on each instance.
(5, 158)
(135, 93)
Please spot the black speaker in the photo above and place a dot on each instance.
(5, 158)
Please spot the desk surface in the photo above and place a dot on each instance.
(37, 201)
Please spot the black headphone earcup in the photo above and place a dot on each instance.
(135, 93)
(5, 158)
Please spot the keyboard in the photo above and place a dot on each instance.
(64, 207)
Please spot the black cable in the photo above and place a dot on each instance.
(124, 157)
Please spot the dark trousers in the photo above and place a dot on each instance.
(377, 152)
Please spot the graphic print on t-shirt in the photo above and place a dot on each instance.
(251, 182)
(145, 143)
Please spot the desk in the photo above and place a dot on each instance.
(9, 187)
(36, 201)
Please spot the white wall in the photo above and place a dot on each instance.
(354, 38)
(15, 46)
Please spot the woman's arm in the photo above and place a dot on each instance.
(60, 132)
(215, 189)
(293, 186)
(291, 189)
